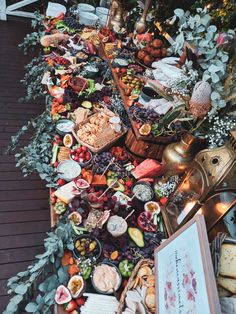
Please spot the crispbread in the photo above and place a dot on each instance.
(227, 283)
(228, 260)
(223, 292)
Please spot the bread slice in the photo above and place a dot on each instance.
(227, 283)
(228, 260)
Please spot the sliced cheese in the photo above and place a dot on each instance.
(227, 283)
(65, 192)
(228, 260)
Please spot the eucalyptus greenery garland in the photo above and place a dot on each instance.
(36, 156)
(46, 269)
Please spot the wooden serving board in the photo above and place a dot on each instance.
(157, 140)
(142, 149)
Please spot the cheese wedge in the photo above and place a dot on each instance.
(65, 192)
(227, 283)
(228, 260)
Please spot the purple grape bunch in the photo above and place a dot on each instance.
(143, 115)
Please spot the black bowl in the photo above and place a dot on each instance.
(150, 188)
(97, 251)
(147, 94)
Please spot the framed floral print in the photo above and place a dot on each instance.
(185, 280)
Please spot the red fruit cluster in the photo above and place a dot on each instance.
(120, 153)
(80, 154)
(61, 61)
(73, 306)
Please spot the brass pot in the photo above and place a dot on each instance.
(177, 157)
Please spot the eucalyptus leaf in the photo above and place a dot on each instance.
(179, 13)
(12, 280)
(215, 95)
(63, 275)
(23, 273)
(21, 289)
(49, 298)
(212, 29)
(215, 78)
(31, 307)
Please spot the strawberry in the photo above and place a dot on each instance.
(60, 100)
(116, 70)
(123, 70)
(61, 182)
(129, 183)
(71, 306)
(84, 148)
(80, 301)
(163, 200)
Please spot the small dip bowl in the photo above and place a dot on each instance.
(68, 170)
(120, 63)
(91, 71)
(119, 275)
(143, 192)
(64, 126)
(147, 94)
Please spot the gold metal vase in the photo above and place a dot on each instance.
(177, 157)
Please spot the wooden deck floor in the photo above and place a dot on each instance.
(24, 210)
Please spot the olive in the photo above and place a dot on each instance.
(92, 246)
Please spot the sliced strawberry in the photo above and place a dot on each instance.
(71, 306)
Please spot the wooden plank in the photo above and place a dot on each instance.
(23, 195)
(18, 255)
(24, 185)
(3, 287)
(23, 216)
(23, 240)
(11, 269)
(17, 175)
(3, 302)
(15, 205)
(24, 228)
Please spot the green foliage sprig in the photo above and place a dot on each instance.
(48, 268)
(36, 156)
(31, 40)
(33, 77)
(197, 30)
